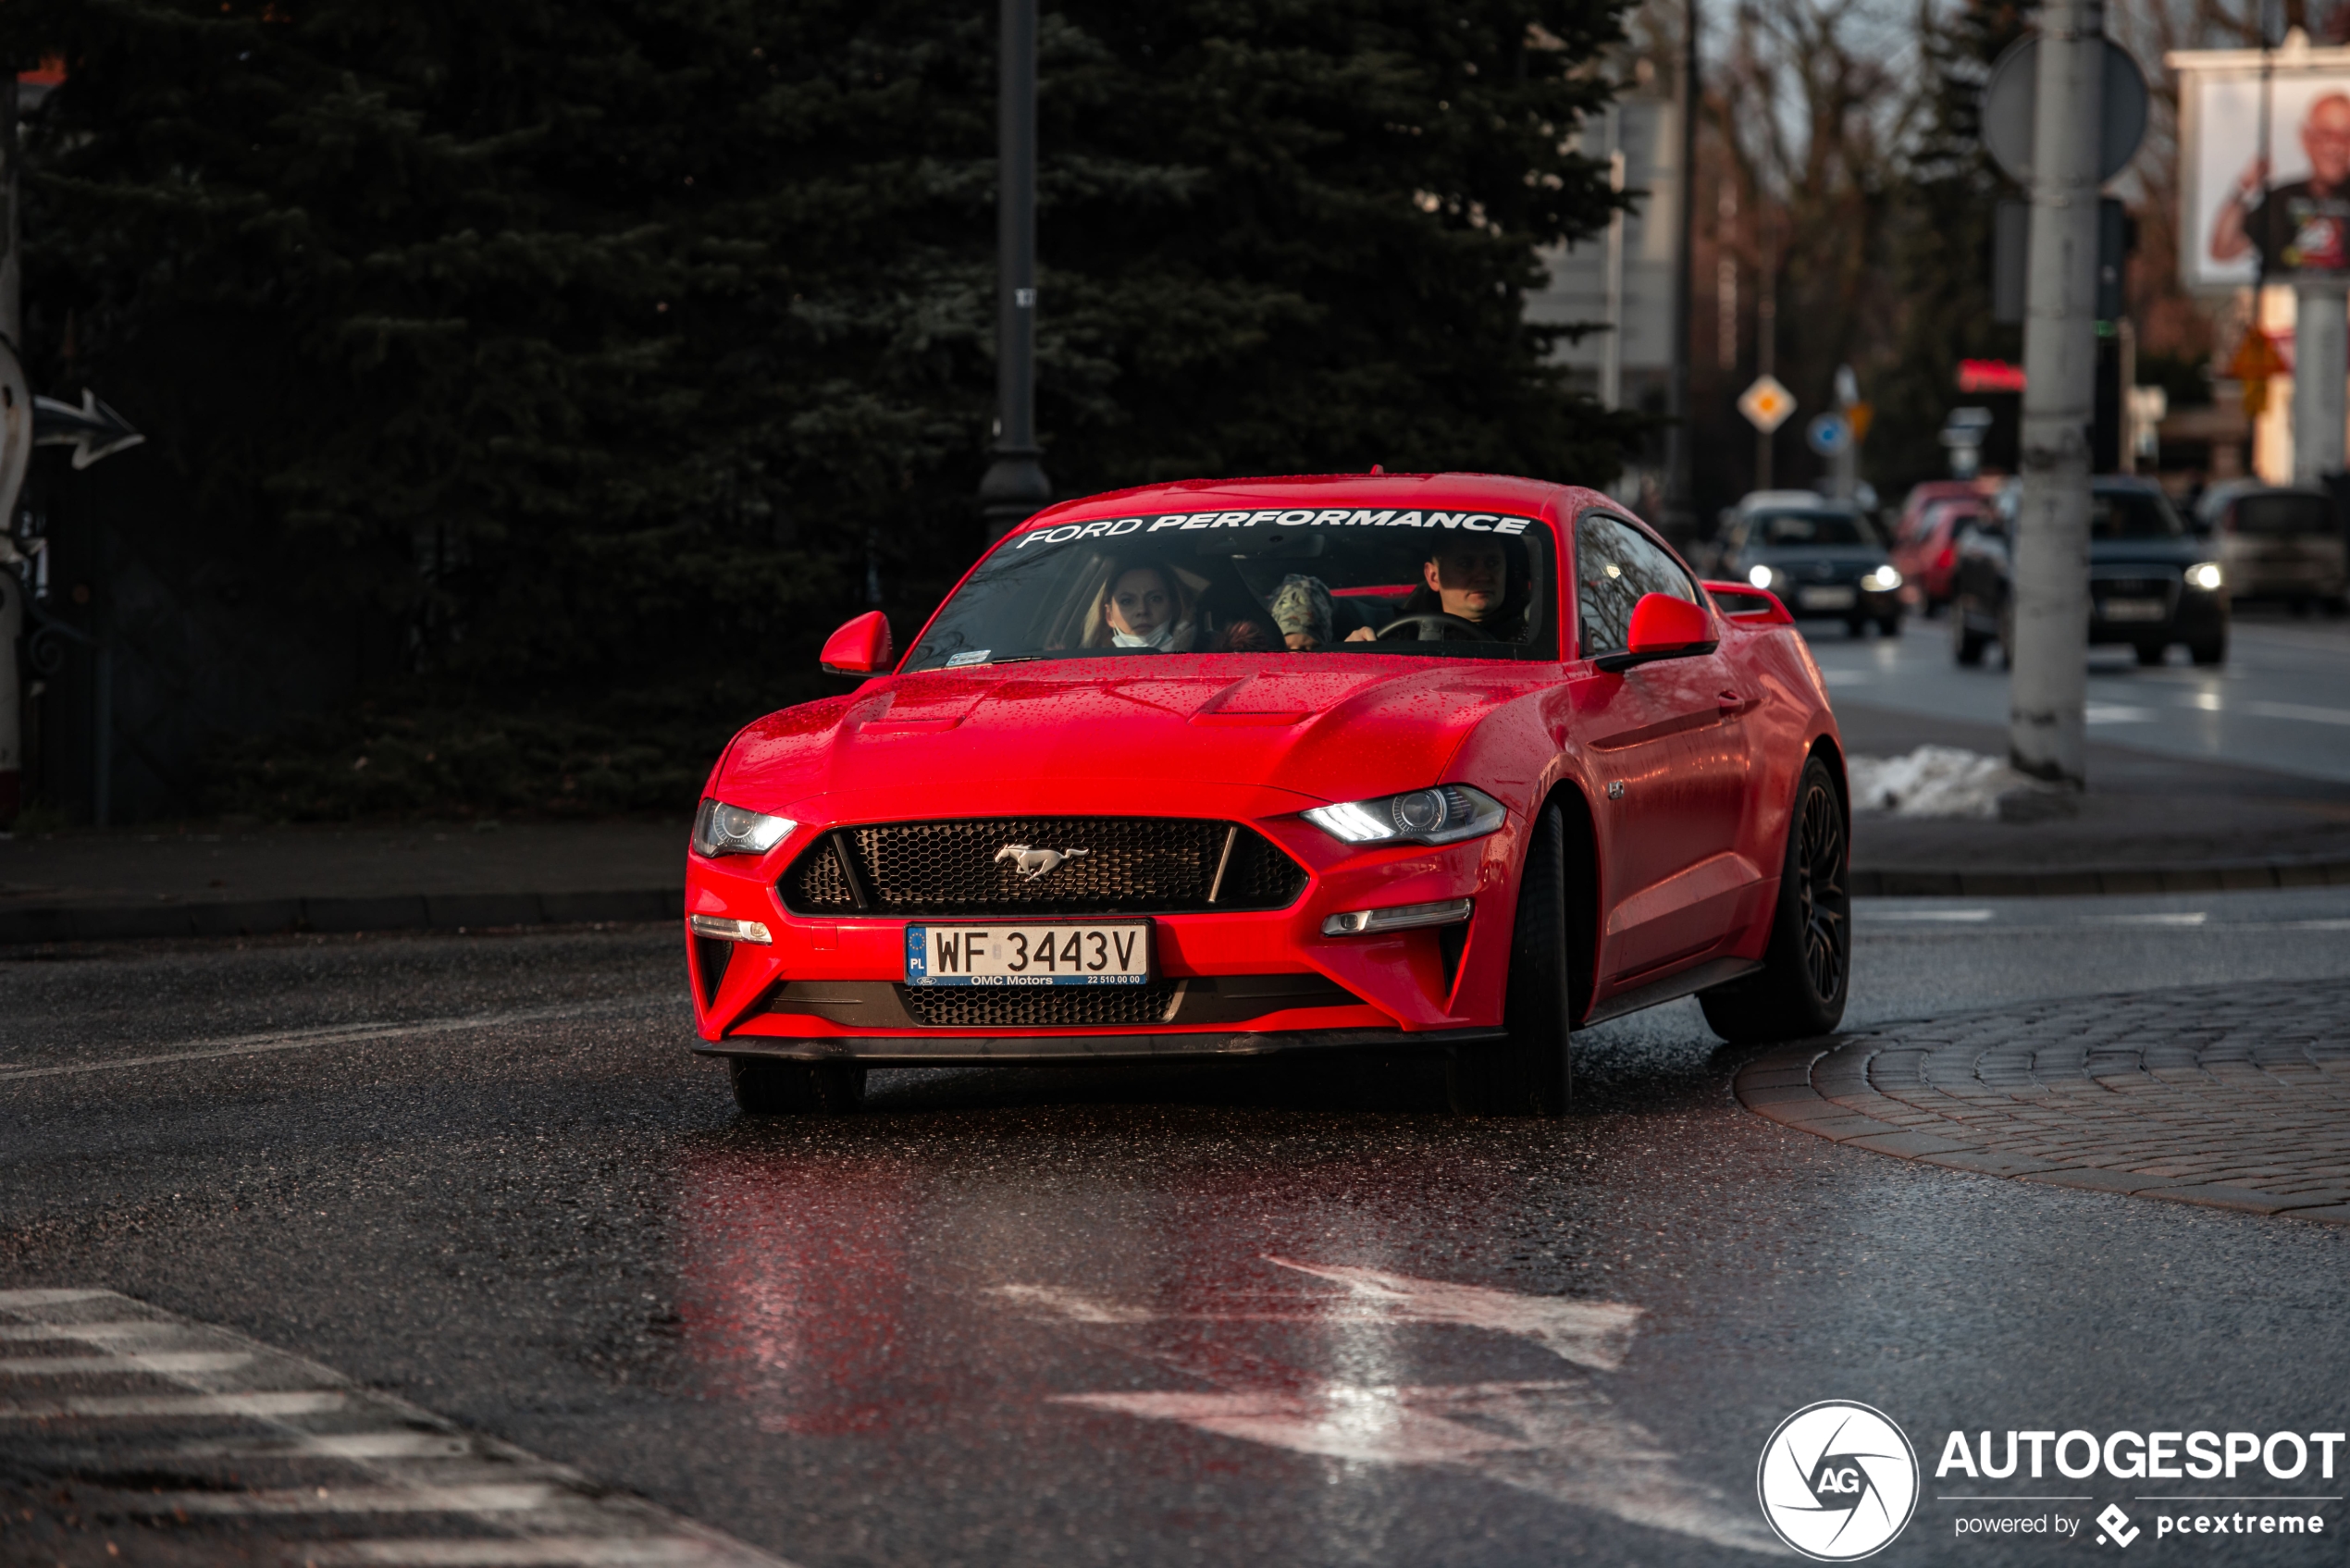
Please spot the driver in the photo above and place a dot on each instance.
(1464, 576)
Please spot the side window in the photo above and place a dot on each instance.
(1614, 565)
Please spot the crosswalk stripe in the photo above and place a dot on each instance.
(584, 1552)
(399, 1460)
(159, 1363)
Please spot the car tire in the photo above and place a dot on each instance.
(2007, 637)
(1966, 643)
(764, 1087)
(2213, 651)
(1807, 969)
(2152, 653)
(1889, 627)
(1531, 1073)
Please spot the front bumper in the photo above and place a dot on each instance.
(1248, 981)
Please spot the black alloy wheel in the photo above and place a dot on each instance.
(1530, 1073)
(1807, 969)
(1966, 643)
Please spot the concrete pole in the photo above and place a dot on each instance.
(2047, 658)
(1015, 487)
(2320, 367)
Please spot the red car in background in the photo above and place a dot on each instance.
(1926, 548)
(1226, 768)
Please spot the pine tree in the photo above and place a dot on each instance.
(606, 343)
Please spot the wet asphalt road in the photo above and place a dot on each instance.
(1124, 1316)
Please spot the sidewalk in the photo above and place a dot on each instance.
(226, 882)
(2148, 824)
(2229, 1097)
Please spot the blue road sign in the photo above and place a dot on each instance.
(1829, 434)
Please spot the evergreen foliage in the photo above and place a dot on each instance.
(639, 336)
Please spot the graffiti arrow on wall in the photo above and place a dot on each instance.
(93, 430)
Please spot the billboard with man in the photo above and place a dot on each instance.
(2277, 205)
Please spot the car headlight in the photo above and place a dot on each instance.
(2204, 574)
(1446, 814)
(721, 829)
(1883, 580)
(1760, 576)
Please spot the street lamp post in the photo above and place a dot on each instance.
(2047, 683)
(1015, 487)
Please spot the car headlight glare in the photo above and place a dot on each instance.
(1760, 576)
(1446, 814)
(2204, 574)
(721, 829)
(1883, 580)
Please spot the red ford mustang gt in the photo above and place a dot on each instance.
(1226, 768)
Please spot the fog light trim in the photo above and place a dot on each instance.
(1399, 917)
(726, 929)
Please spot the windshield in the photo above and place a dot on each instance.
(1328, 581)
(2133, 514)
(1823, 527)
(2284, 512)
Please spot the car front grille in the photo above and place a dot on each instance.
(1037, 1007)
(2164, 589)
(1074, 866)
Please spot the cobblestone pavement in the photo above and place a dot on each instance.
(2230, 1096)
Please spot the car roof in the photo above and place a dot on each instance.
(1498, 492)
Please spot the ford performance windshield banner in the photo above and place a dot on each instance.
(1295, 517)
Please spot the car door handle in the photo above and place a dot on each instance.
(1732, 704)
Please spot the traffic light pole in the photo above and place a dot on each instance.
(2047, 654)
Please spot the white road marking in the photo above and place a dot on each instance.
(154, 1407)
(163, 1363)
(402, 1461)
(2195, 918)
(1561, 1439)
(303, 1038)
(2304, 711)
(544, 1551)
(1961, 917)
(505, 1498)
(2118, 713)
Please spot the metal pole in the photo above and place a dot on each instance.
(2320, 366)
(1015, 487)
(1612, 350)
(12, 327)
(2047, 683)
(1680, 498)
(1767, 329)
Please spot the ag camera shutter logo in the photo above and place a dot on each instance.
(1838, 1481)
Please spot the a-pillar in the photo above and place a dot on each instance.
(2320, 366)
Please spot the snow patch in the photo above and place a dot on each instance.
(1933, 781)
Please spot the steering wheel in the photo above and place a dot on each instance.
(1446, 629)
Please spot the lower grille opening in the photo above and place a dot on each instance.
(712, 957)
(1036, 1007)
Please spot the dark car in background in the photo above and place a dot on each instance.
(2277, 541)
(1823, 560)
(2152, 582)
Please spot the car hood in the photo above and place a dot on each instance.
(1040, 733)
(1825, 561)
(2148, 552)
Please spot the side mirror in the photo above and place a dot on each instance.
(1663, 627)
(860, 648)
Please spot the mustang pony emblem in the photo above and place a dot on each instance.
(1034, 863)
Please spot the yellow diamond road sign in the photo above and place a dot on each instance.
(1766, 404)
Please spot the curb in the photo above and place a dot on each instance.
(1903, 883)
(259, 917)
(1784, 1086)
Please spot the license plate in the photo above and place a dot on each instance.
(1042, 954)
(2136, 610)
(1824, 598)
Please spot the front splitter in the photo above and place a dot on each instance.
(928, 1051)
